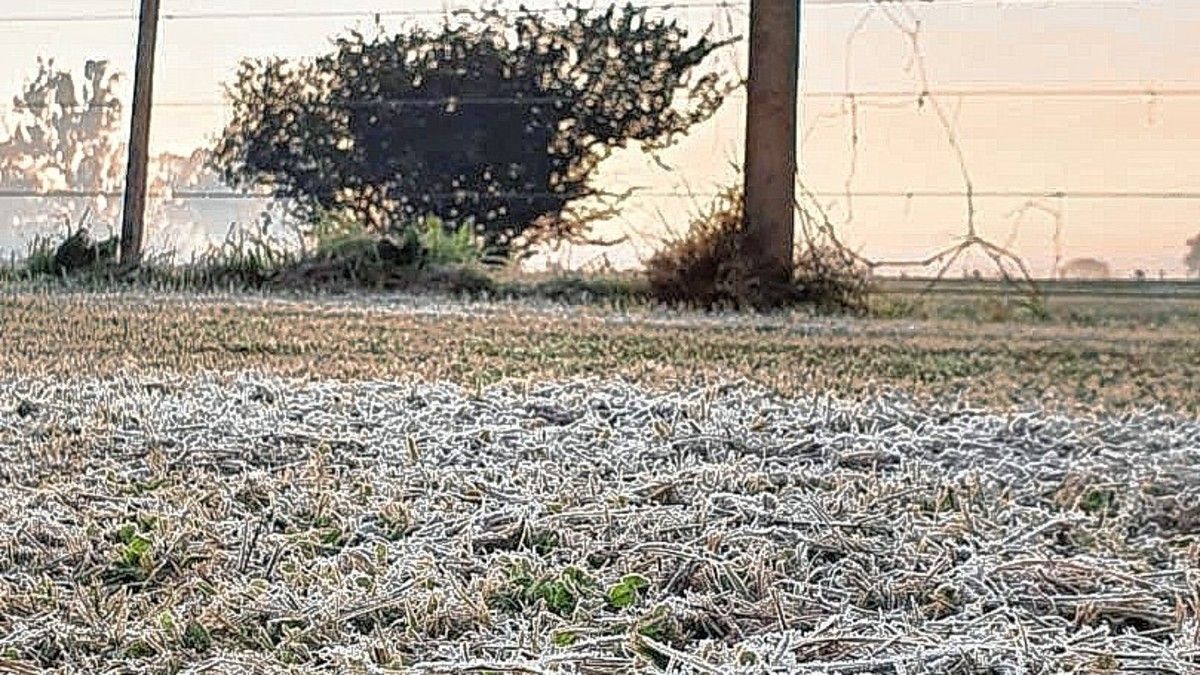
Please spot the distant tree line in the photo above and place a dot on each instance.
(65, 135)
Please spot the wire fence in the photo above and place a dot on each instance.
(895, 156)
(1148, 93)
(678, 5)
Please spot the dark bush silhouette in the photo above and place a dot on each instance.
(80, 252)
(497, 119)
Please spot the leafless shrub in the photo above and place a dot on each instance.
(707, 267)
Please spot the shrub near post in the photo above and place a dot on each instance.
(500, 119)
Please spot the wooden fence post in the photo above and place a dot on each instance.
(771, 152)
(136, 176)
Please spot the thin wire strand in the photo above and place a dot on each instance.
(326, 14)
(918, 96)
(683, 5)
(1057, 92)
(878, 194)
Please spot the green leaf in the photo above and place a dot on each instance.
(126, 533)
(140, 545)
(196, 637)
(139, 650)
(627, 592)
(134, 550)
(578, 577)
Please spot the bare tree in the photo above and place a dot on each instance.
(65, 138)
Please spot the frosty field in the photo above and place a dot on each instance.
(221, 524)
(233, 513)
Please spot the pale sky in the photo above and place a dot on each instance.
(1074, 143)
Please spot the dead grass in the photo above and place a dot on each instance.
(1091, 304)
(159, 517)
(706, 268)
(246, 524)
(474, 344)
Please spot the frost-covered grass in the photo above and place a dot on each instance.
(217, 523)
(390, 337)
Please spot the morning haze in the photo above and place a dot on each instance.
(1073, 142)
(397, 448)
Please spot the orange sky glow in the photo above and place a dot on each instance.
(1076, 116)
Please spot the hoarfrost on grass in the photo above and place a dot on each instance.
(239, 523)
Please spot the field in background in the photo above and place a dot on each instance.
(1112, 302)
(1125, 361)
(1053, 288)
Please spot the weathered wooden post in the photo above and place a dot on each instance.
(771, 153)
(134, 214)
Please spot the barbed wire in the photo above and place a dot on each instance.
(901, 16)
(860, 95)
(684, 5)
(899, 13)
(991, 4)
(1102, 195)
(1048, 92)
(243, 15)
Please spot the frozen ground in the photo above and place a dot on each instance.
(226, 524)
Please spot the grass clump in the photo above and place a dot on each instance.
(560, 593)
(444, 244)
(247, 257)
(39, 257)
(708, 268)
(426, 254)
(133, 559)
(336, 253)
(78, 254)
